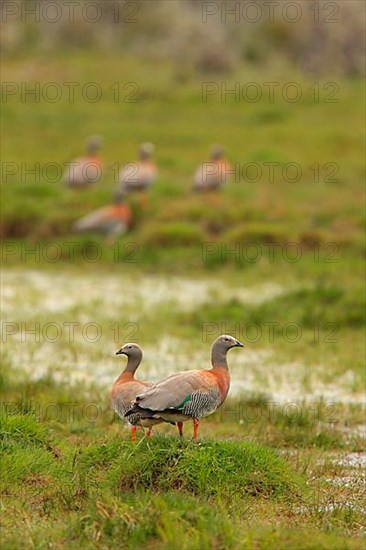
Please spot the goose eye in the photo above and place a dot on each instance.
(226, 339)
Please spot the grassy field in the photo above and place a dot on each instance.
(256, 206)
(72, 478)
(281, 464)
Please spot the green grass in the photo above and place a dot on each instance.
(96, 487)
(329, 305)
(92, 487)
(265, 474)
(213, 468)
(183, 129)
(72, 481)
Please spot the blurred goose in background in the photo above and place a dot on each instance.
(84, 171)
(112, 220)
(213, 174)
(126, 388)
(189, 395)
(140, 175)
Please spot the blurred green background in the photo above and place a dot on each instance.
(170, 55)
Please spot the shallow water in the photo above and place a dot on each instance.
(64, 297)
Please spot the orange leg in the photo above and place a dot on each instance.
(133, 433)
(180, 428)
(195, 428)
(149, 432)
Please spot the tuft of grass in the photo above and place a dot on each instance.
(328, 305)
(257, 233)
(21, 430)
(211, 468)
(171, 235)
(103, 491)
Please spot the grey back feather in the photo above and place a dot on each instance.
(191, 392)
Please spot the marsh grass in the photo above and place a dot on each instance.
(211, 468)
(98, 489)
(74, 480)
(324, 302)
(246, 211)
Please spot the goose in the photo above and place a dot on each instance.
(213, 174)
(84, 171)
(112, 220)
(126, 388)
(189, 395)
(140, 175)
